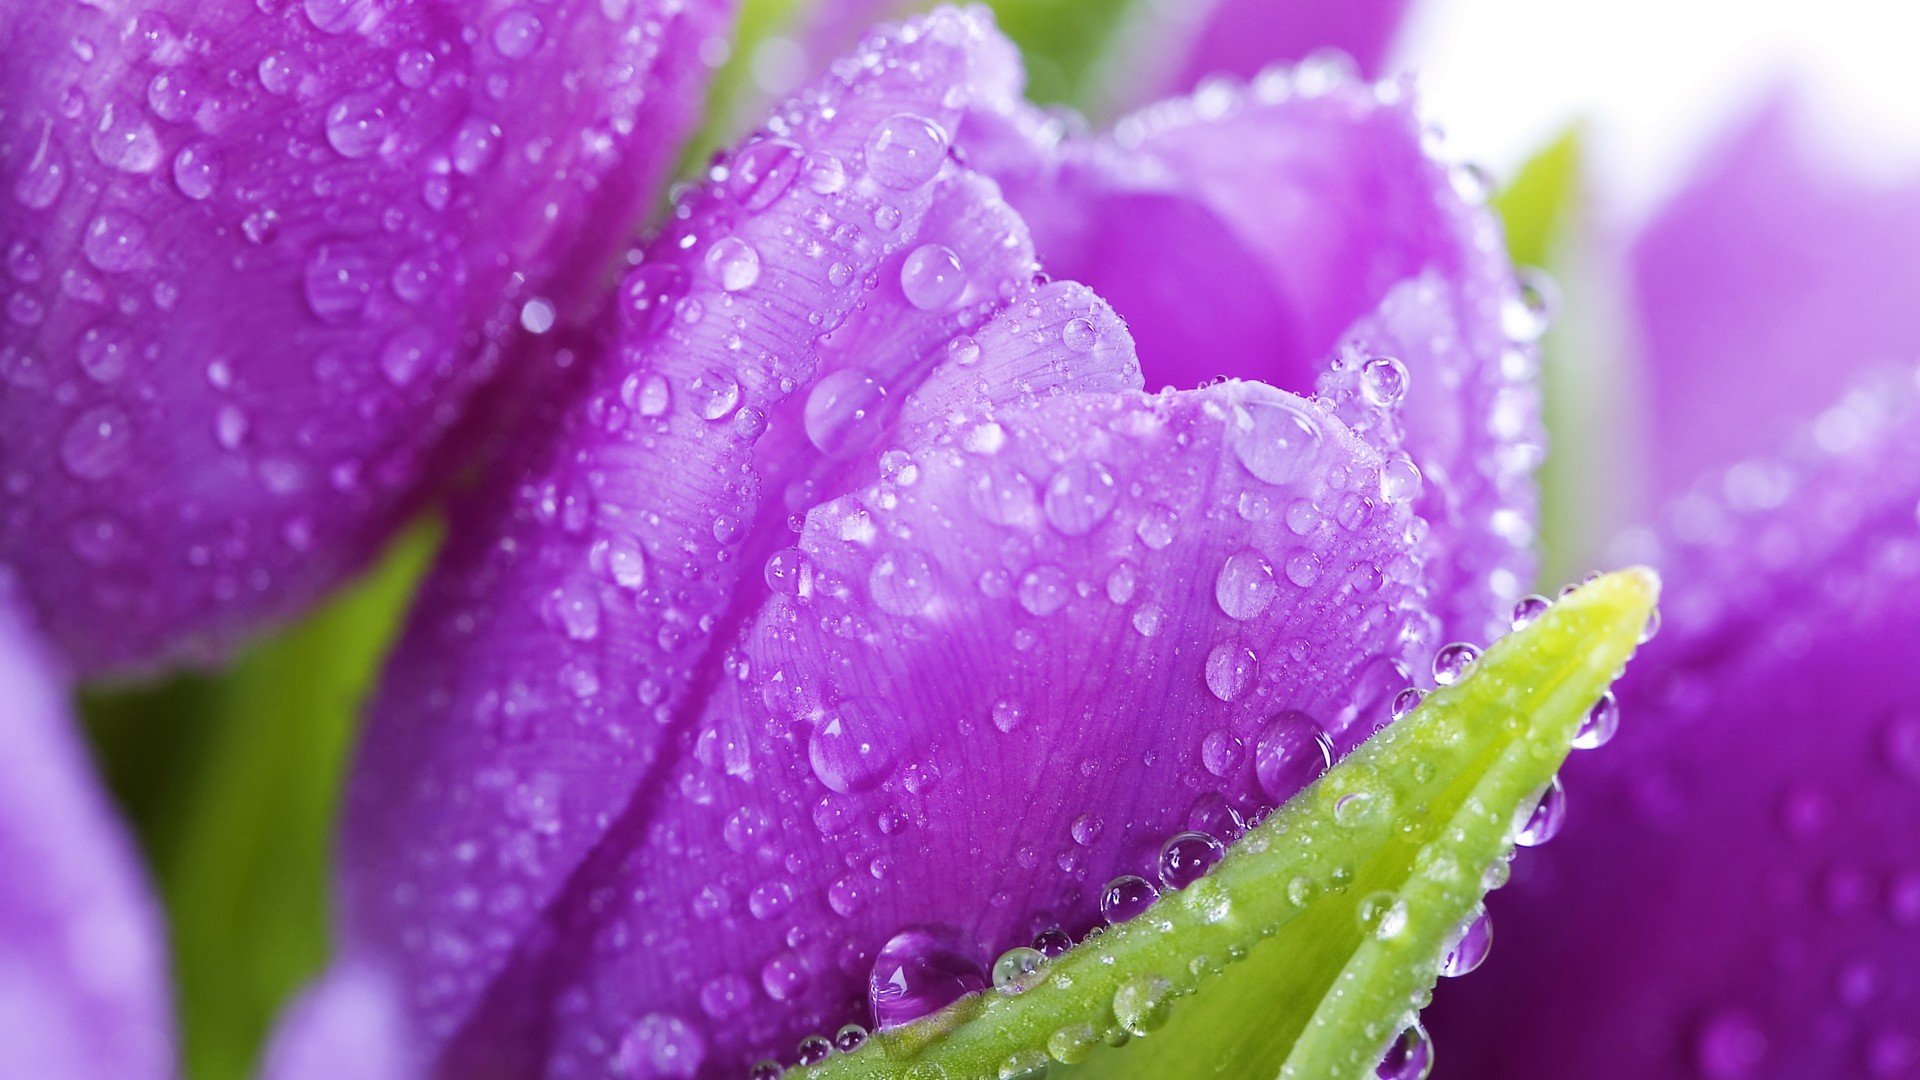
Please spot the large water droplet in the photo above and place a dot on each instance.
(762, 171)
(904, 150)
(1291, 753)
(1230, 670)
(901, 582)
(98, 444)
(920, 971)
(357, 124)
(1245, 586)
(932, 277)
(1547, 816)
(851, 748)
(1186, 857)
(1408, 1057)
(516, 33)
(125, 141)
(1126, 897)
(338, 282)
(732, 263)
(842, 412)
(1470, 945)
(1080, 496)
(1279, 442)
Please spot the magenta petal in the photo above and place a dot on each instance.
(83, 980)
(586, 610)
(923, 729)
(1252, 230)
(1737, 889)
(1768, 282)
(259, 262)
(1241, 37)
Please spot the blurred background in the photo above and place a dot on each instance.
(1591, 119)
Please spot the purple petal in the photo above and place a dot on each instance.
(1251, 231)
(393, 190)
(1767, 283)
(1176, 46)
(582, 614)
(608, 695)
(925, 726)
(83, 981)
(1737, 889)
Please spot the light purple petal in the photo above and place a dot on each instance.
(587, 610)
(258, 262)
(1737, 889)
(1770, 281)
(83, 983)
(1251, 231)
(928, 723)
(605, 700)
(1176, 46)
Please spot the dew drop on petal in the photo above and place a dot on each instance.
(920, 971)
(1454, 662)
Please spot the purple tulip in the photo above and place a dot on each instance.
(260, 259)
(858, 616)
(83, 983)
(1737, 890)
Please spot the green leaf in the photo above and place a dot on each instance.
(232, 782)
(1310, 945)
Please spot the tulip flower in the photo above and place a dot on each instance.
(260, 259)
(83, 986)
(858, 615)
(1737, 889)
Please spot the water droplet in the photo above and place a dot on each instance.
(1079, 497)
(904, 151)
(357, 124)
(1543, 822)
(1007, 714)
(338, 282)
(849, 1038)
(1528, 609)
(850, 749)
(732, 263)
(963, 351)
(1279, 442)
(762, 171)
(1143, 1003)
(1383, 381)
(1018, 969)
(1186, 857)
(1399, 479)
(98, 444)
(194, 172)
(1230, 670)
(1529, 311)
(1291, 753)
(1044, 590)
(825, 174)
(813, 1050)
(1470, 945)
(474, 144)
(1125, 897)
(103, 352)
(901, 582)
(715, 394)
(1079, 335)
(842, 412)
(1052, 942)
(660, 1046)
(413, 67)
(1406, 701)
(932, 277)
(1073, 1044)
(1454, 662)
(1408, 1057)
(516, 33)
(1023, 1065)
(1303, 568)
(125, 141)
(920, 971)
(1245, 586)
(1600, 724)
(646, 393)
(115, 242)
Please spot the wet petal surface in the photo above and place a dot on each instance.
(83, 984)
(1253, 230)
(1772, 280)
(403, 194)
(1736, 888)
